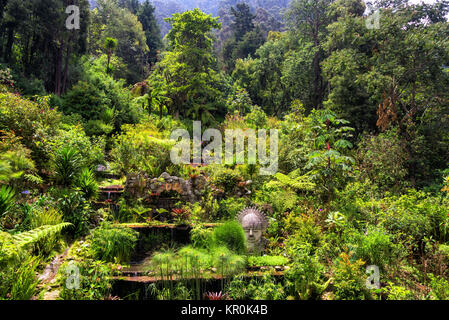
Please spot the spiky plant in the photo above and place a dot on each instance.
(87, 183)
(67, 165)
(7, 199)
(215, 296)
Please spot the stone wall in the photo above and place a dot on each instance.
(140, 186)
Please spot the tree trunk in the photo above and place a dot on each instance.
(66, 67)
(9, 44)
(58, 68)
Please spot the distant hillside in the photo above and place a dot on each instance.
(270, 11)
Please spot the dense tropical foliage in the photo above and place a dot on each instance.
(362, 115)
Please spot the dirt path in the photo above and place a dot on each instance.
(47, 277)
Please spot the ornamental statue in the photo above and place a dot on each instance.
(254, 223)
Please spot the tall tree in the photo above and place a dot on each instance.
(187, 74)
(245, 39)
(109, 20)
(151, 29)
(242, 20)
(309, 19)
(131, 5)
(109, 45)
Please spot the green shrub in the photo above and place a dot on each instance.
(34, 122)
(382, 159)
(201, 237)
(141, 148)
(230, 207)
(7, 199)
(95, 280)
(272, 261)
(376, 247)
(231, 235)
(349, 279)
(256, 289)
(67, 165)
(439, 288)
(113, 243)
(24, 280)
(75, 209)
(418, 215)
(225, 178)
(87, 184)
(398, 293)
(303, 231)
(305, 278)
(91, 150)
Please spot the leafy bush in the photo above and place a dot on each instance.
(382, 159)
(302, 230)
(75, 209)
(200, 236)
(230, 207)
(256, 289)
(231, 235)
(305, 278)
(225, 178)
(87, 184)
(439, 287)
(7, 199)
(67, 165)
(95, 280)
(257, 118)
(416, 214)
(272, 261)
(95, 95)
(33, 121)
(113, 243)
(91, 150)
(398, 293)
(141, 148)
(375, 247)
(349, 279)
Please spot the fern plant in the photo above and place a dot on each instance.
(7, 199)
(294, 181)
(33, 236)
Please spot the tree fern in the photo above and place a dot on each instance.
(293, 180)
(35, 235)
(34, 179)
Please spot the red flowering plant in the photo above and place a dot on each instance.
(181, 216)
(216, 296)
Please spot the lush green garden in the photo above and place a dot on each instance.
(363, 170)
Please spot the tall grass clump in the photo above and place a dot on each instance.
(113, 244)
(231, 235)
